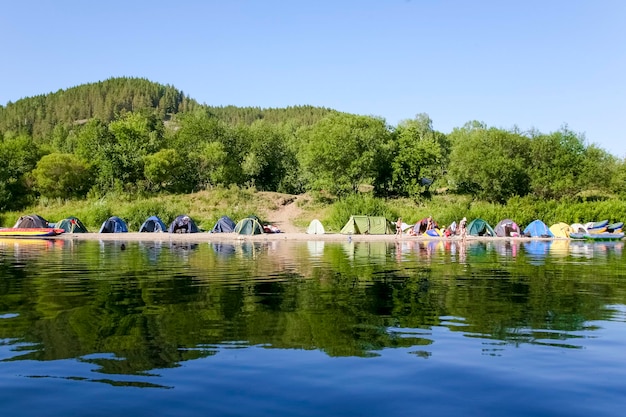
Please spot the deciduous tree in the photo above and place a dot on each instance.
(420, 152)
(341, 152)
(491, 164)
(62, 175)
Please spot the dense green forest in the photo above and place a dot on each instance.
(130, 135)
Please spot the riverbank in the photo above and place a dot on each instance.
(293, 213)
(331, 237)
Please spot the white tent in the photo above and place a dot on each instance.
(315, 228)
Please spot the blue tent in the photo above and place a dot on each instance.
(153, 224)
(114, 225)
(183, 224)
(224, 225)
(537, 228)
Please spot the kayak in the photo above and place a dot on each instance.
(615, 227)
(597, 236)
(596, 225)
(30, 232)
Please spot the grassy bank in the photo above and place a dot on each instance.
(207, 207)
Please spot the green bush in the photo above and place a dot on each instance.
(97, 213)
(137, 213)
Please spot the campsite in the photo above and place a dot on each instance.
(358, 227)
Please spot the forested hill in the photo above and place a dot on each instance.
(105, 100)
(129, 136)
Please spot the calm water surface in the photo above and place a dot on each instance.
(92, 328)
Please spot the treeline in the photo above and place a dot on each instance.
(133, 136)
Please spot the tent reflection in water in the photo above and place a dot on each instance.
(71, 225)
(315, 248)
(223, 249)
(114, 225)
(537, 250)
(153, 224)
(249, 226)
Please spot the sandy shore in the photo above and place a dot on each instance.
(208, 237)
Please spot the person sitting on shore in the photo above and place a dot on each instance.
(183, 225)
(429, 223)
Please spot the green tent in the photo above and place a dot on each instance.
(71, 225)
(368, 225)
(479, 227)
(249, 226)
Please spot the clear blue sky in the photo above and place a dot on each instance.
(530, 64)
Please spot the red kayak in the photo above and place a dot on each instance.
(30, 232)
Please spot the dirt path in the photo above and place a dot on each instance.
(285, 214)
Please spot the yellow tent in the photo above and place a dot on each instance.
(561, 230)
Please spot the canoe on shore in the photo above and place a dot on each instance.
(30, 231)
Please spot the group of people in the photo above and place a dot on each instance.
(461, 230)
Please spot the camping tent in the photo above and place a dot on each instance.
(450, 230)
(578, 228)
(370, 225)
(114, 225)
(433, 233)
(507, 227)
(249, 226)
(420, 226)
(71, 225)
(537, 228)
(153, 224)
(479, 227)
(183, 224)
(31, 221)
(224, 225)
(315, 228)
(561, 229)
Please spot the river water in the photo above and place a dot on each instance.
(267, 328)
